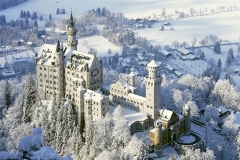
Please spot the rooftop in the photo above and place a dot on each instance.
(152, 64)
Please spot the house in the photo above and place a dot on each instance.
(166, 53)
(172, 129)
(184, 52)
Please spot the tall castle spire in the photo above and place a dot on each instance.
(70, 22)
(71, 33)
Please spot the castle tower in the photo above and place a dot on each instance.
(71, 33)
(158, 138)
(132, 81)
(187, 119)
(80, 118)
(59, 57)
(153, 88)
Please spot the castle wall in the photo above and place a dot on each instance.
(47, 81)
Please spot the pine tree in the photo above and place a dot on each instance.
(35, 23)
(219, 64)
(41, 18)
(57, 12)
(230, 57)
(217, 48)
(21, 14)
(50, 17)
(7, 93)
(30, 98)
(28, 14)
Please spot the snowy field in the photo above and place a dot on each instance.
(224, 25)
(130, 8)
(99, 43)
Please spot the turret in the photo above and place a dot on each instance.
(71, 32)
(59, 62)
(132, 81)
(80, 119)
(187, 119)
(152, 69)
(158, 138)
(153, 88)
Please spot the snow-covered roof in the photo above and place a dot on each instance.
(170, 68)
(165, 114)
(132, 74)
(184, 51)
(179, 74)
(48, 54)
(81, 88)
(137, 97)
(222, 109)
(166, 53)
(152, 64)
(2, 62)
(8, 72)
(90, 94)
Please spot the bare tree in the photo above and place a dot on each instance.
(85, 43)
(175, 44)
(185, 44)
(206, 10)
(192, 11)
(164, 13)
(193, 41)
(202, 42)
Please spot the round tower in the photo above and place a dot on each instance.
(71, 32)
(158, 138)
(153, 88)
(152, 69)
(59, 57)
(80, 119)
(132, 79)
(187, 119)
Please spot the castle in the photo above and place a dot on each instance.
(78, 77)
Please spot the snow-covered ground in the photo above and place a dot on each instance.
(130, 8)
(99, 43)
(130, 115)
(224, 25)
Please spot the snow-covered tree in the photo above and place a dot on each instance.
(228, 94)
(230, 57)
(217, 48)
(7, 93)
(30, 98)
(198, 155)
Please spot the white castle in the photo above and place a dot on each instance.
(78, 77)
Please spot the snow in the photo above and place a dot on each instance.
(33, 141)
(227, 24)
(45, 153)
(131, 8)
(165, 114)
(99, 43)
(130, 115)
(137, 97)
(152, 64)
(187, 139)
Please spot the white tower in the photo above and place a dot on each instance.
(153, 88)
(71, 32)
(158, 138)
(60, 69)
(187, 119)
(132, 81)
